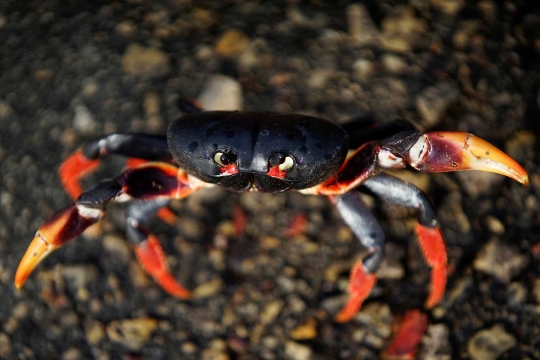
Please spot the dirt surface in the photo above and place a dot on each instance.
(72, 71)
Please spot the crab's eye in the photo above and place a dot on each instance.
(282, 160)
(225, 158)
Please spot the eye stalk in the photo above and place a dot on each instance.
(225, 158)
(278, 163)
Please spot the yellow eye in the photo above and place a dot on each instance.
(283, 161)
(223, 158)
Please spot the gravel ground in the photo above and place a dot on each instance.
(71, 71)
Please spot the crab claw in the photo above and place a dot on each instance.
(454, 151)
(61, 228)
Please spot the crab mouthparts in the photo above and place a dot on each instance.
(255, 182)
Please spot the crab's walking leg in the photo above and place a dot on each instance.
(153, 182)
(370, 233)
(147, 248)
(86, 160)
(428, 232)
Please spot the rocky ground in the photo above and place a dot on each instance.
(71, 71)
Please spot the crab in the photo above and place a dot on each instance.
(268, 152)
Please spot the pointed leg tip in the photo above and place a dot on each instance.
(38, 250)
(343, 316)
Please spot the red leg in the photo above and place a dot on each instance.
(151, 256)
(371, 235)
(432, 244)
(360, 285)
(75, 167)
(408, 338)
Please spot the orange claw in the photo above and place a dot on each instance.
(454, 151)
(73, 168)
(61, 228)
(38, 250)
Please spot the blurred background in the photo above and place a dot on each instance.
(71, 71)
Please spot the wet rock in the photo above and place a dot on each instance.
(132, 333)
(450, 7)
(464, 33)
(5, 345)
(203, 19)
(394, 64)
(433, 101)
(494, 225)
(500, 260)
(392, 267)
(84, 121)
(95, 331)
(361, 27)
(126, 28)
(269, 314)
(78, 277)
(536, 290)
(521, 145)
(489, 344)
(435, 344)
(363, 69)
(402, 30)
(516, 294)
(477, 183)
(208, 289)
(221, 93)
(296, 351)
(318, 78)
(118, 247)
(376, 325)
(217, 350)
(232, 43)
(306, 331)
(147, 62)
(5, 110)
(72, 354)
(299, 19)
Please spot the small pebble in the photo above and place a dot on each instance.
(489, 344)
(221, 93)
(208, 289)
(296, 351)
(232, 43)
(494, 225)
(500, 260)
(306, 331)
(363, 69)
(436, 344)
(361, 27)
(433, 101)
(84, 121)
(147, 62)
(132, 333)
(5, 345)
(72, 354)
